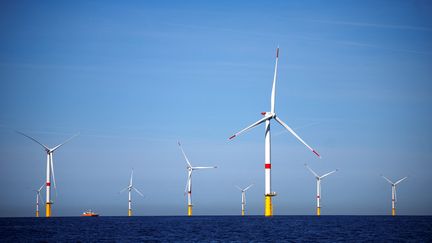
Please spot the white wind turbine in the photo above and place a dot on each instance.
(129, 188)
(319, 178)
(394, 198)
(38, 197)
(243, 205)
(268, 116)
(49, 170)
(188, 188)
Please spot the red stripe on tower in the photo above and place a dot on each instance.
(48, 184)
(267, 166)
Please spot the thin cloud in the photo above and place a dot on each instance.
(372, 25)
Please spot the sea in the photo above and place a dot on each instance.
(218, 229)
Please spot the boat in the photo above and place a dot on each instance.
(89, 213)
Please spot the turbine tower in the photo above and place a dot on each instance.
(38, 196)
(268, 116)
(319, 178)
(243, 205)
(129, 188)
(49, 170)
(394, 198)
(190, 169)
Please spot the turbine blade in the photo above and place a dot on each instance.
(203, 167)
(187, 182)
(273, 94)
(251, 126)
(238, 188)
(248, 187)
(184, 154)
(328, 174)
(123, 189)
(58, 146)
(295, 135)
(33, 139)
(395, 193)
(138, 191)
(387, 179)
(40, 188)
(399, 181)
(313, 172)
(53, 175)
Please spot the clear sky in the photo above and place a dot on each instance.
(355, 82)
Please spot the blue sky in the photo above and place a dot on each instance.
(354, 82)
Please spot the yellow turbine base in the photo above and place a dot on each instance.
(189, 210)
(242, 212)
(37, 213)
(318, 211)
(268, 211)
(393, 211)
(129, 212)
(48, 209)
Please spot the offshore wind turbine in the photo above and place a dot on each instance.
(268, 116)
(38, 197)
(394, 198)
(190, 169)
(49, 170)
(129, 188)
(243, 191)
(319, 178)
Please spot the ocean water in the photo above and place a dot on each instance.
(218, 229)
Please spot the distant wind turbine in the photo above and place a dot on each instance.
(268, 116)
(129, 188)
(243, 192)
(188, 188)
(38, 197)
(319, 178)
(394, 198)
(49, 170)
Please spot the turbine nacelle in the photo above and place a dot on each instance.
(268, 114)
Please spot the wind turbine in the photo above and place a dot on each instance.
(394, 198)
(129, 188)
(319, 178)
(243, 191)
(49, 170)
(190, 169)
(268, 116)
(38, 196)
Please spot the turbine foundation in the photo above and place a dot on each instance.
(268, 211)
(189, 210)
(129, 212)
(318, 212)
(48, 209)
(393, 211)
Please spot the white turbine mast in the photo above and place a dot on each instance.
(394, 197)
(268, 116)
(38, 198)
(190, 169)
(130, 187)
(318, 179)
(243, 198)
(49, 169)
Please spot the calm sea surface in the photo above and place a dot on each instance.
(218, 229)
